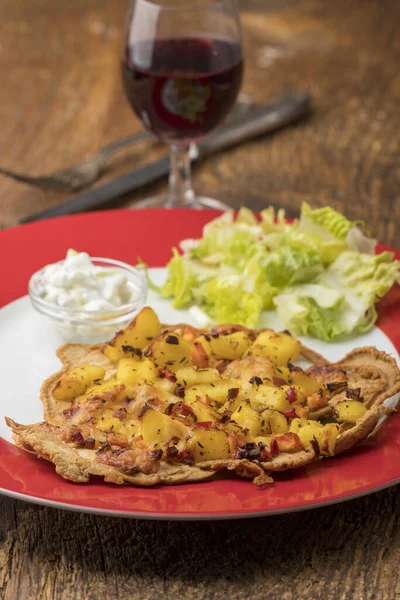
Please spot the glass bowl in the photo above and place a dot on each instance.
(90, 327)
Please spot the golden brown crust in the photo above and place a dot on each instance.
(284, 460)
(313, 356)
(377, 368)
(375, 373)
(79, 464)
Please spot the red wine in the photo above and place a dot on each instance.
(181, 88)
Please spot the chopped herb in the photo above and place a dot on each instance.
(137, 351)
(256, 380)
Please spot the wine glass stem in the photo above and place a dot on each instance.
(180, 191)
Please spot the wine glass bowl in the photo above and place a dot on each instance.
(182, 69)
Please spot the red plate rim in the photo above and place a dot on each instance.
(150, 234)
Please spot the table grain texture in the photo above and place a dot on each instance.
(61, 100)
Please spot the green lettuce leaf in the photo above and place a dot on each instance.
(184, 276)
(321, 273)
(328, 228)
(342, 299)
(181, 280)
(323, 221)
(368, 275)
(322, 312)
(228, 245)
(274, 221)
(289, 265)
(227, 300)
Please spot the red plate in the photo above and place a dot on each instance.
(150, 234)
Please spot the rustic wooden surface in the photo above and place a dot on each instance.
(60, 100)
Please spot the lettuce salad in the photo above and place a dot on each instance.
(320, 272)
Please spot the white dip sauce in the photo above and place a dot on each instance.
(77, 283)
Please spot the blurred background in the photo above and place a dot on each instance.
(61, 99)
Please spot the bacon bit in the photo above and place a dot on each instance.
(290, 414)
(144, 409)
(278, 381)
(156, 402)
(77, 438)
(68, 412)
(288, 442)
(233, 393)
(315, 446)
(293, 368)
(221, 365)
(172, 452)
(273, 448)
(203, 424)
(172, 339)
(156, 454)
(353, 394)
(226, 416)
(199, 355)
(264, 454)
(291, 395)
(214, 334)
(185, 457)
(236, 440)
(301, 412)
(137, 351)
(180, 411)
(255, 379)
(183, 409)
(165, 372)
(120, 413)
(117, 439)
(89, 443)
(180, 391)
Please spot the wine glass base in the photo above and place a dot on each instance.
(199, 203)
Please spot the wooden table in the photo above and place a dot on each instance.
(61, 100)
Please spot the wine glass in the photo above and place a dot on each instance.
(182, 69)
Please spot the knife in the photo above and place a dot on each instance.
(257, 122)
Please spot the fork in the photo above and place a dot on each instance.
(88, 171)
